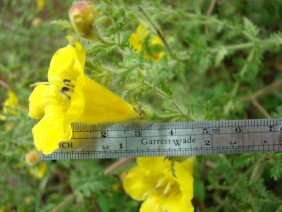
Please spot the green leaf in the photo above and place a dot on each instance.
(165, 87)
(250, 28)
(199, 189)
(222, 52)
(103, 202)
(62, 24)
(276, 171)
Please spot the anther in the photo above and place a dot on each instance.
(68, 82)
(65, 89)
(167, 188)
(66, 92)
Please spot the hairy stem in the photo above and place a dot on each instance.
(261, 108)
(68, 199)
(116, 165)
(157, 30)
(266, 90)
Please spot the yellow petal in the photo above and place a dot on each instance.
(153, 164)
(51, 130)
(137, 184)
(142, 32)
(66, 63)
(11, 103)
(156, 40)
(184, 177)
(36, 102)
(102, 106)
(77, 103)
(43, 96)
(158, 204)
(80, 52)
(135, 42)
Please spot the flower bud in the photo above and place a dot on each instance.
(81, 16)
(32, 157)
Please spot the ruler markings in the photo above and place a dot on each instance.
(188, 134)
(112, 154)
(163, 126)
(170, 139)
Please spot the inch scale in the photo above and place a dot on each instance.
(171, 139)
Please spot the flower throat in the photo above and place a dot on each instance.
(68, 89)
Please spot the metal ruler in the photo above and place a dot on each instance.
(171, 139)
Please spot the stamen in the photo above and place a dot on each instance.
(167, 188)
(66, 92)
(64, 89)
(160, 182)
(68, 82)
(40, 83)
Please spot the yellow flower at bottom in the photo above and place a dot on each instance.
(152, 181)
(69, 97)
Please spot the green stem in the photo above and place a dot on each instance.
(156, 29)
(162, 94)
(256, 172)
(204, 18)
(269, 89)
(65, 202)
(116, 165)
(228, 106)
(177, 107)
(261, 43)
(100, 36)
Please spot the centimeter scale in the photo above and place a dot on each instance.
(171, 139)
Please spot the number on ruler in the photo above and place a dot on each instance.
(171, 132)
(264, 141)
(103, 134)
(120, 145)
(238, 129)
(232, 143)
(138, 133)
(207, 142)
(205, 131)
(270, 128)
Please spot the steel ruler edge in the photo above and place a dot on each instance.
(150, 139)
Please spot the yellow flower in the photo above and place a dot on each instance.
(69, 97)
(157, 54)
(11, 103)
(137, 40)
(152, 181)
(40, 4)
(39, 171)
(9, 108)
